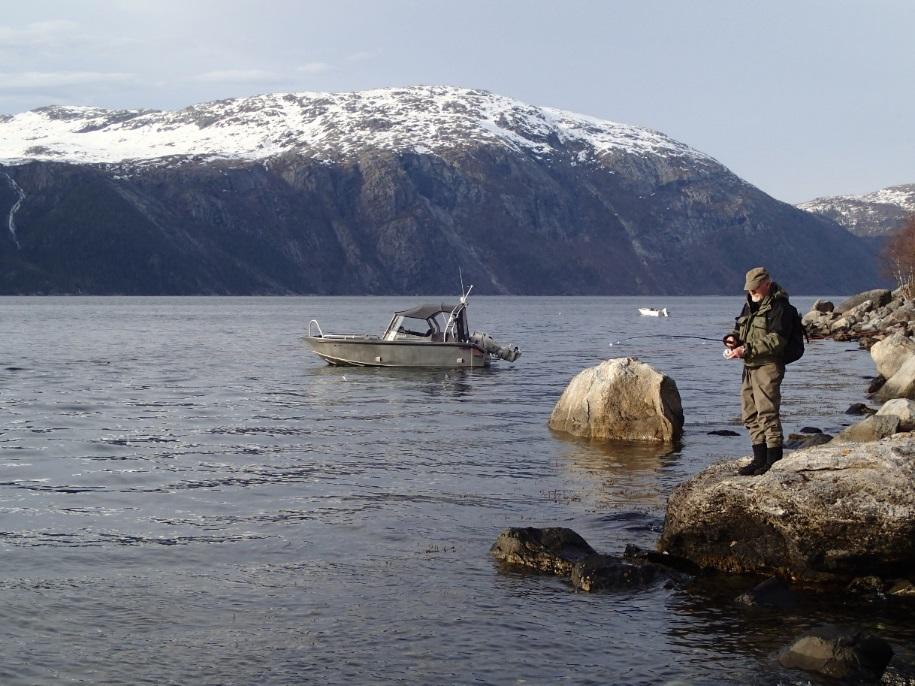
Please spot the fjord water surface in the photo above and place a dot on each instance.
(189, 496)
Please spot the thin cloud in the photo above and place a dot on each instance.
(361, 56)
(57, 79)
(314, 68)
(237, 76)
(39, 34)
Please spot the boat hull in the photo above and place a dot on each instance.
(353, 352)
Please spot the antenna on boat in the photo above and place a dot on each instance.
(464, 293)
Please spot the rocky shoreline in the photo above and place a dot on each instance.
(836, 514)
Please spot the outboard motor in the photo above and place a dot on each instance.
(509, 353)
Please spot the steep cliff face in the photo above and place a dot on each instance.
(389, 193)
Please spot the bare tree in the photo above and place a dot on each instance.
(899, 256)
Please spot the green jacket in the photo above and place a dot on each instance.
(762, 328)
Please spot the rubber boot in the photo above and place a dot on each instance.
(773, 455)
(759, 461)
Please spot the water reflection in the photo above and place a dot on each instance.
(451, 383)
(622, 473)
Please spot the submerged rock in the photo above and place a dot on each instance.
(552, 550)
(620, 399)
(839, 653)
(860, 409)
(771, 593)
(799, 441)
(828, 513)
(607, 572)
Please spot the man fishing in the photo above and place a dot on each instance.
(759, 338)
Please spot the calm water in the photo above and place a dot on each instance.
(188, 496)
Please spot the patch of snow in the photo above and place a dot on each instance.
(324, 126)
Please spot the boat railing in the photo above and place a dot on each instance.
(314, 322)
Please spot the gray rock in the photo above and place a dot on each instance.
(902, 408)
(860, 409)
(800, 441)
(551, 550)
(861, 310)
(827, 513)
(891, 353)
(679, 564)
(839, 653)
(871, 586)
(881, 296)
(901, 384)
(902, 588)
(873, 428)
(771, 593)
(823, 306)
(875, 385)
(620, 399)
(606, 572)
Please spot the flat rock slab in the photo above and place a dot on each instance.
(828, 513)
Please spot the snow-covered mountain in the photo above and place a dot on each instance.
(388, 191)
(871, 215)
(325, 126)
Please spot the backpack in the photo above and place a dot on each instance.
(794, 348)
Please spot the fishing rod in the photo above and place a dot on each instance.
(665, 335)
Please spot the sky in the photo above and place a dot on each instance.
(802, 98)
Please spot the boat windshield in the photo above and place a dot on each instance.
(429, 329)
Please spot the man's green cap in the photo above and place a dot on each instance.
(755, 277)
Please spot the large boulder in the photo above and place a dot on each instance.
(828, 513)
(901, 384)
(620, 399)
(902, 408)
(891, 353)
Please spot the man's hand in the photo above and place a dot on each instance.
(735, 353)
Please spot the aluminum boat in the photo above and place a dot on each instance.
(428, 335)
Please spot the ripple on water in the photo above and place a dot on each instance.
(184, 479)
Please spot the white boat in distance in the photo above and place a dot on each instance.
(428, 335)
(653, 312)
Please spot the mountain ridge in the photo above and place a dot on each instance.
(870, 215)
(389, 191)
